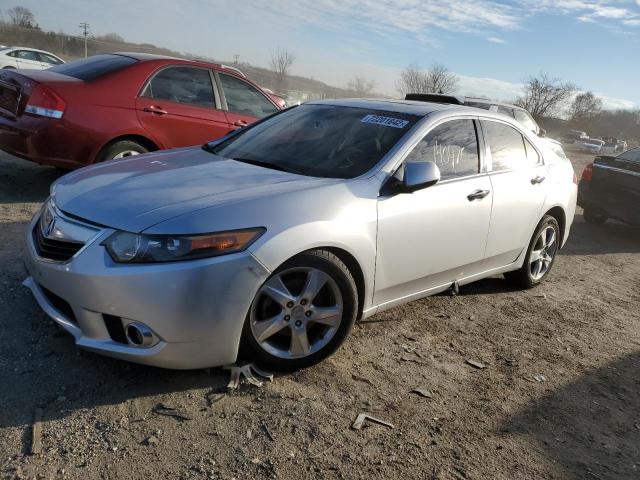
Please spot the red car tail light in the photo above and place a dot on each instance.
(45, 102)
(587, 173)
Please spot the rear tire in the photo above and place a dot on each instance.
(541, 255)
(121, 149)
(594, 216)
(280, 333)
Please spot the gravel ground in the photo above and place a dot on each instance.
(580, 330)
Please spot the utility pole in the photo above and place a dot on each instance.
(85, 33)
(236, 57)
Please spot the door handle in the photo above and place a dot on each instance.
(537, 180)
(478, 194)
(155, 109)
(240, 123)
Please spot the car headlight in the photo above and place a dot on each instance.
(125, 247)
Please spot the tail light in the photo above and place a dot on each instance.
(575, 178)
(45, 102)
(587, 173)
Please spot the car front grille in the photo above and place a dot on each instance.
(50, 249)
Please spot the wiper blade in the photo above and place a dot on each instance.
(261, 163)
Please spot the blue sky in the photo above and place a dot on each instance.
(493, 46)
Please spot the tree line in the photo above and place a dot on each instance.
(551, 101)
(544, 96)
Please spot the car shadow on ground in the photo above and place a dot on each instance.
(23, 181)
(40, 367)
(611, 237)
(590, 427)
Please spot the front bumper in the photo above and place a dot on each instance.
(196, 309)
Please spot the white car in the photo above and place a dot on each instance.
(590, 145)
(23, 58)
(278, 236)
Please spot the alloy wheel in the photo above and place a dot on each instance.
(126, 153)
(296, 312)
(543, 253)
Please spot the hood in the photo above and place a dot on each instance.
(137, 193)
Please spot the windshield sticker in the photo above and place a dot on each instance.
(385, 121)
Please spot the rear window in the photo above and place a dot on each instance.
(94, 67)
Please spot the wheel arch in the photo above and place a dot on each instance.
(559, 214)
(141, 139)
(356, 271)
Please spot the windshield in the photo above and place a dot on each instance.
(320, 140)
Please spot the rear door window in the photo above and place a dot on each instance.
(186, 85)
(28, 55)
(94, 67)
(526, 120)
(506, 145)
(244, 99)
(533, 157)
(452, 146)
(505, 110)
(49, 59)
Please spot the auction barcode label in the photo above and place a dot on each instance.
(385, 121)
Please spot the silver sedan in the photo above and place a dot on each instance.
(271, 242)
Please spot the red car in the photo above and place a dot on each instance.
(115, 105)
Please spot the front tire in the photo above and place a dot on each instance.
(301, 314)
(121, 149)
(541, 255)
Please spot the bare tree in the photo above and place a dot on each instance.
(22, 17)
(585, 106)
(441, 80)
(545, 96)
(412, 80)
(361, 86)
(437, 79)
(281, 62)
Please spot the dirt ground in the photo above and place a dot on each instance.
(580, 330)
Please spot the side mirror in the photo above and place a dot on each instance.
(419, 175)
(542, 133)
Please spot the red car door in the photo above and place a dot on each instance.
(180, 107)
(244, 103)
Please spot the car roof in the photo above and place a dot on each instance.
(145, 57)
(491, 102)
(401, 106)
(459, 100)
(29, 48)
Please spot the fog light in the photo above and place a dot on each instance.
(139, 335)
